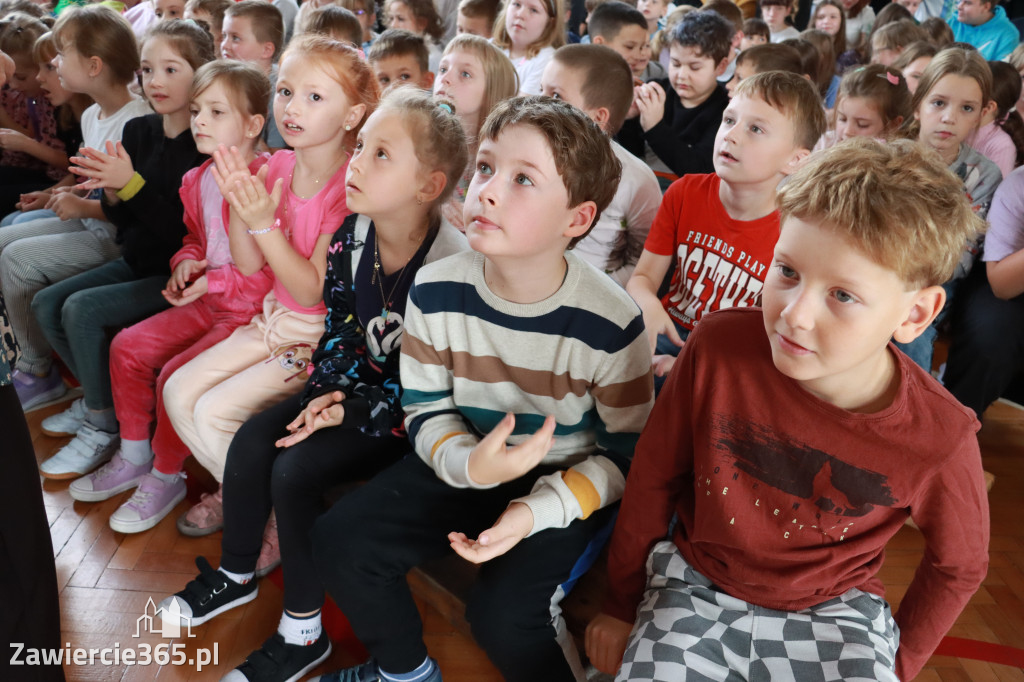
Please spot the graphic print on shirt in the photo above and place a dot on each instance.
(712, 274)
(803, 487)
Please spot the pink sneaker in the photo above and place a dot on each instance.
(152, 501)
(204, 518)
(270, 553)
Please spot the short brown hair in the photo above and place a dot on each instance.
(553, 35)
(939, 32)
(474, 9)
(896, 201)
(437, 136)
(397, 42)
(582, 151)
(607, 80)
(248, 87)
(355, 6)
(896, 35)
(334, 20)
(98, 31)
(267, 23)
(794, 97)
(772, 57)
(756, 27)
(342, 63)
(502, 79)
(192, 42)
(874, 83)
(728, 10)
(215, 8)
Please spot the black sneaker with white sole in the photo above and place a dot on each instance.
(209, 595)
(278, 661)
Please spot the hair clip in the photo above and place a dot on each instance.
(891, 77)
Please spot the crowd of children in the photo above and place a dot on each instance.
(222, 217)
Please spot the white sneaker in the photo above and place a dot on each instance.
(87, 450)
(66, 423)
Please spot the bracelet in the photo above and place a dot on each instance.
(276, 224)
(131, 188)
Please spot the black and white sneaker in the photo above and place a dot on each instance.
(278, 661)
(210, 594)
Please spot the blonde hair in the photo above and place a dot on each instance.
(343, 64)
(951, 61)
(794, 96)
(247, 85)
(501, 78)
(436, 135)
(1016, 58)
(897, 35)
(874, 82)
(553, 35)
(896, 201)
(98, 31)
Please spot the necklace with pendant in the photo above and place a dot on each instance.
(378, 279)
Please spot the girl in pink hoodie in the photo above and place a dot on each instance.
(211, 298)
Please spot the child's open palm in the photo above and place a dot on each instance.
(492, 461)
(111, 170)
(513, 525)
(252, 203)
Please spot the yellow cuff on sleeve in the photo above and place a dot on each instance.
(132, 188)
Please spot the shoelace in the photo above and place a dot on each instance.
(139, 498)
(109, 469)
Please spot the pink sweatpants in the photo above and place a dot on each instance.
(143, 357)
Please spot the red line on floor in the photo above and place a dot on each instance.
(981, 651)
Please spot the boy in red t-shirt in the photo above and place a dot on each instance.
(719, 229)
(791, 443)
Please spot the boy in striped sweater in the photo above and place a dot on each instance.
(527, 380)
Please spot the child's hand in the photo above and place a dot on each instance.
(188, 294)
(184, 272)
(512, 526)
(657, 321)
(321, 412)
(112, 170)
(251, 202)
(493, 462)
(605, 642)
(650, 99)
(13, 141)
(228, 168)
(32, 201)
(68, 206)
(662, 364)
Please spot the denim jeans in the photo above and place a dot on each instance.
(79, 314)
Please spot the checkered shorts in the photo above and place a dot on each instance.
(688, 630)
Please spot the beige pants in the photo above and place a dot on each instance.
(258, 366)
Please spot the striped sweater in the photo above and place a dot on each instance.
(469, 357)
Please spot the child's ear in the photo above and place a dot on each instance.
(989, 108)
(600, 116)
(597, 40)
(427, 81)
(267, 51)
(255, 125)
(94, 66)
(355, 115)
(926, 306)
(796, 160)
(582, 217)
(432, 187)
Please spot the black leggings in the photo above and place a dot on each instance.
(368, 541)
(258, 474)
